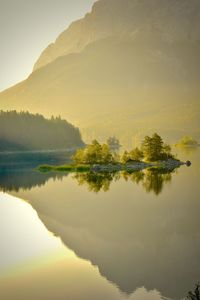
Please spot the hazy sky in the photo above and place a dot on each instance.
(27, 27)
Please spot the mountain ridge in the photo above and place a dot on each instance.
(110, 17)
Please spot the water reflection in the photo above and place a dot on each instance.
(132, 238)
(194, 295)
(187, 150)
(41, 268)
(152, 180)
(155, 179)
(13, 180)
(96, 181)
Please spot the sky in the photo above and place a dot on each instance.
(27, 27)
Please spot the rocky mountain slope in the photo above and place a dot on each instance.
(172, 20)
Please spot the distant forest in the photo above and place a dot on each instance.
(25, 131)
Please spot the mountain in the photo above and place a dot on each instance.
(127, 68)
(173, 20)
(25, 131)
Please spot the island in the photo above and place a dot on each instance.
(96, 157)
(187, 141)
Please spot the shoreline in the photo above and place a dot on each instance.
(98, 168)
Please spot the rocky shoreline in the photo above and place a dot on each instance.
(169, 164)
(138, 166)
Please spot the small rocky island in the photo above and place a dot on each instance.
(96, 157)
(187, 142)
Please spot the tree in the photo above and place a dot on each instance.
(113, 143)
(136, 154)
(106, 156)
(154, 148)
(157, 146)
(147, 148)
(125, 157)
(78, 158)
(92, 153)
(167, 150)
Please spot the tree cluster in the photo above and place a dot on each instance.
(152, 149)
(94, 153)
(134, 155)
(187, 141)
(25, 131)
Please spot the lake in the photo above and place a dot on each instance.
(107, 237)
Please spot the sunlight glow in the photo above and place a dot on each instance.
(23, 236)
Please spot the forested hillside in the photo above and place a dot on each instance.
(25, 131)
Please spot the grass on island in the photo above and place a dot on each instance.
(88, 168)
(64, 168)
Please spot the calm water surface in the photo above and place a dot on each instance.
(126, 236)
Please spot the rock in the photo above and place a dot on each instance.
(188, 163)
(169, 164)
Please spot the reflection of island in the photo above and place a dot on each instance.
(187, 151)
(152, 180)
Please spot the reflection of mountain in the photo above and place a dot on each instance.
(127, 66)
(134, 239)
(152, 179)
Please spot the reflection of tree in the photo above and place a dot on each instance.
(194, 295)
(187, 150)
(96, 181)
(13, 181)
(135, 177)
(152, 179)
(17, 169)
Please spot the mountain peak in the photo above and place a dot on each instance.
(172, 19)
